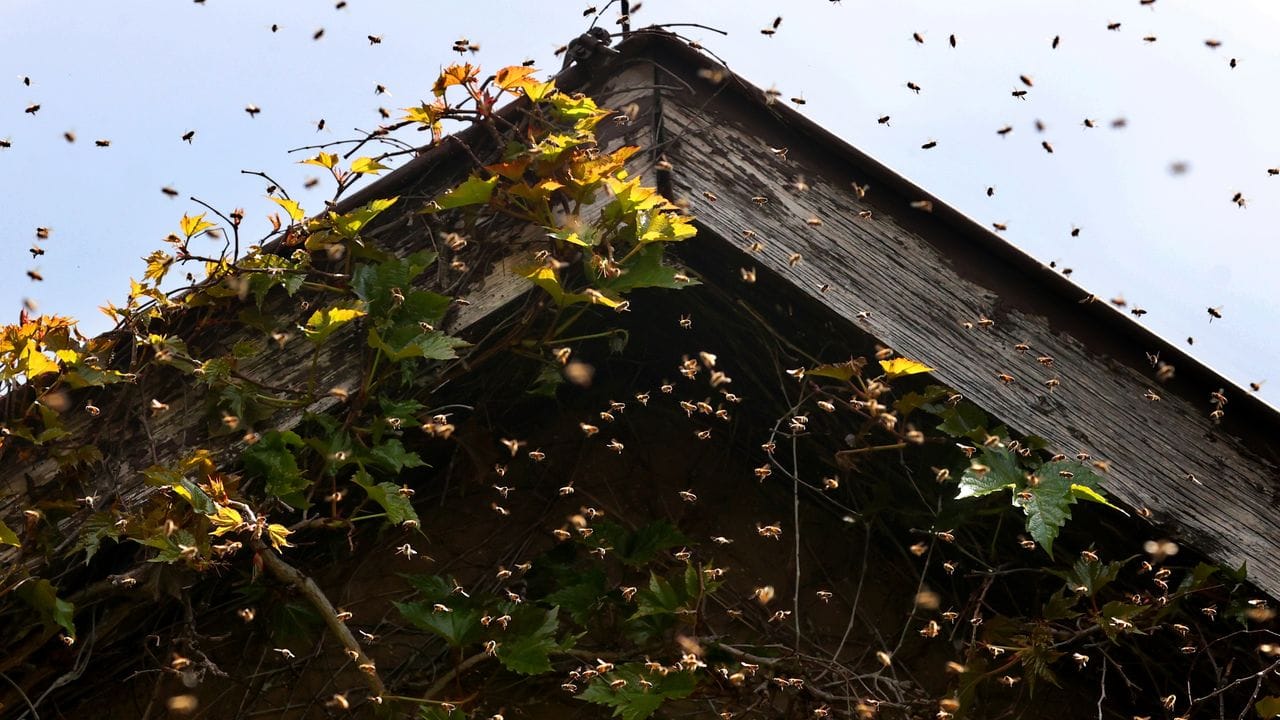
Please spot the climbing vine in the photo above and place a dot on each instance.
(632, 615)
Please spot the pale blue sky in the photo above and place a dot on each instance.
(140, 73)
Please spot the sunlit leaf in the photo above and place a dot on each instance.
(194, 225)
(901, 367)
(292, 207)
(642, 693)
(454, 75)
(513, 76)
(472, 191)
(387, 495)
(324, 160)
(325, 321)
(367, 166)
(278, 535)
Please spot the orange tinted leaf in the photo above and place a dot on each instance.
(454, 75)
(514, 76)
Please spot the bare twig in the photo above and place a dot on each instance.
(312, 592)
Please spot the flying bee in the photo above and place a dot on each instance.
(1213, 43)
(36, 251)
(910, 86)
(1004, 130)
(990, 191)
(1000, 227)
(32, 109)
(922, 205)
(35, 276)
(883, 120)
(918, 38)
(952, 39)
(1115, 26)
(1149, 39)
(169, 191)
(1215, 313)
(102, 143)
(1047, 147)
(929, 145)
(1020, 94)
(770, 531)
(252, 109)
(1240, 200)
(317, 34)
(861, 190)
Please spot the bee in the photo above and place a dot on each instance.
(883, 120)
(748, 275)
(910, 86)
(1004, 130)
(1256, 386)
(990, 191)
(918, 38)
(32, 109)
(1119, 123)
(252, 109)
(35, 276)
(763, 595)
(102, 143)
(922, 205)
(317, 34)
(798, 100)
(1232, 63)
(1149, 39)
(36, 251)
(1047, 147)
(770, 531)
(929, 145)
(615, 446)
(1000, 227)
(1239, 199)
(169, 191)
(1273, 171)
(1020, 94)
(5, 144)
(1115, 26)
(1213, 44)
(379, 89)
(861, 190)
(930, 630)
(952, 39)
(1215, 313)
(1026, 80)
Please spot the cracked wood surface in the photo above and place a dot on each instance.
(912, 280)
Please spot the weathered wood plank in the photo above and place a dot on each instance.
(921, 282)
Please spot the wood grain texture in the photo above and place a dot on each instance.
(921, 280)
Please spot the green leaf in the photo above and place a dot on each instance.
(383, 285)
(580, 599)
(433, 588)
(646, 270)
(1268, 707)
(1093, 576)
(994, 470)
(272, 459)
(407, 340)
(7, 536)
(473, 191)
(632, 700)
(962, 420)
(387, 495)
(325, 321)
(640, 547)
(1047, 509)
(292, 207)
(180, 485)
(660, 598)
(458, 627)
(392, 457)
(350, 224)
(41, 595)
(527, 649)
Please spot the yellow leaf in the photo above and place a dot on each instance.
(325, 321)
(367, 166)
(32, 362)
(225, 520)
(454, 75)
(279, 536)
(192, 226)
(290, 206)
(537, 92)
(324, 160)
(513, 76)
(901, 367)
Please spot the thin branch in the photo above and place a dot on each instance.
(287, 573)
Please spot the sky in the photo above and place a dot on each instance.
(141, 73)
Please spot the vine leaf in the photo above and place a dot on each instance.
(458, 626)
(7, 536)
(472, 191)
(272, 459)
(325, 321)
(180, 485)
(632, 700)
(528, 650)
(1268, 707)
(324, 160)
(41, 595)
(193, 225)
(396, 506)
(902, 367)
(290, 206)
(367, 166)
(1091, 576)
